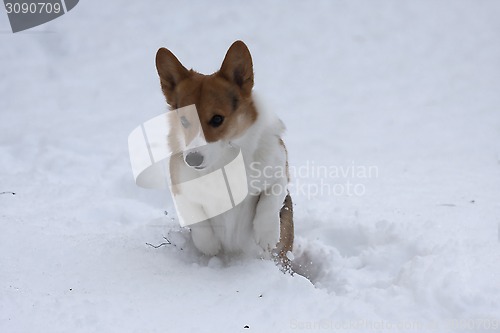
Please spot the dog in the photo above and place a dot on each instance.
(262, 224)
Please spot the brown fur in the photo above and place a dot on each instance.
(226, 92)
(286, 231)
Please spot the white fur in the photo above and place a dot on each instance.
(253, 226)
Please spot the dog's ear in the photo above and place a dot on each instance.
(171, 73)
(237, 67)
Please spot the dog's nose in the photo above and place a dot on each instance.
(194, 159)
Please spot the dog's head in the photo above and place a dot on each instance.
(223, 100)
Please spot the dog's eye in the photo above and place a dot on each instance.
(185, 123)
(216, 121)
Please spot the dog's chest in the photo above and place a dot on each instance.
(234, 228)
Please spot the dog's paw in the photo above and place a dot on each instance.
(267, 239)
(205, 241)
(266, 232)
(210, 248)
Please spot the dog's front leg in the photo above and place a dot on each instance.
(267, 215)
(204, 238)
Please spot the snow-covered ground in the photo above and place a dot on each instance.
(408, 90)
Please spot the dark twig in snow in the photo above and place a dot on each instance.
(160, 245)
(8, 192)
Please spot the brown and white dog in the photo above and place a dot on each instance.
(262, 224)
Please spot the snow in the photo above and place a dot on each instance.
(410, 88)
